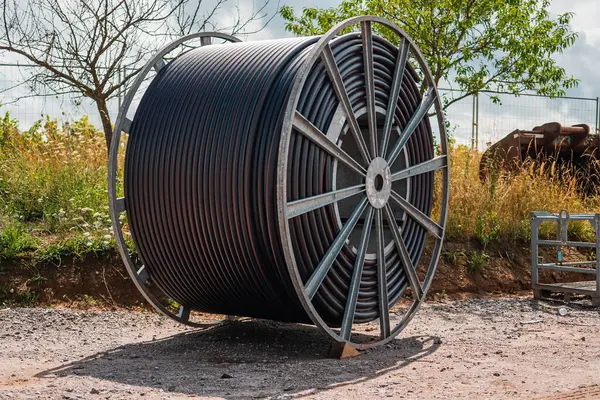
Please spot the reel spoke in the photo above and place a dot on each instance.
(311, 132)
(403, 52)
(313, 283)
(348, 320)
(340, 91)
(407, 264)
(412, 125)
(302, 206)
(432, 165)
(382, 285)
(418, 216)
(367, 42)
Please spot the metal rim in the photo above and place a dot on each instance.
(140, 277)
(321, 51)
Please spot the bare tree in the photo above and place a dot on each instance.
(93, 48)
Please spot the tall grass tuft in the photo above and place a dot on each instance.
(53, 184)
(500, 208)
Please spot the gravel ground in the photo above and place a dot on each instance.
(490, 348)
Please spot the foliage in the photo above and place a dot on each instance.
(95, 48)
(477, 261)
(14, 241)
(8, 127)
(8, 297)
(481, 45)
(487, 228)
(53, 189)
(452, 257)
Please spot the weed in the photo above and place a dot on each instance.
(591, 256)
(37, 278)
(25, 298)
(77, 246)
(487, 228)
(172, 304)
(453, 256)
(90, 300)
(10, 297)
(440, 297)
(477, 261)
(53, 182)
(14, 240)
(500, 208)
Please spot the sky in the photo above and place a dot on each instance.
(581, 60)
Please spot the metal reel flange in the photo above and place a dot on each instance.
(140, 275)
(378, 203)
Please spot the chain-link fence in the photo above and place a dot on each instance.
(478, 121)
(474, 120)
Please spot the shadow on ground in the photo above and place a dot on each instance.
(244, 359)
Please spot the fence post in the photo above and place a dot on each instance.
(477, 122)
(596, 301)
(473, 125)
(535, 225)
(597, 114)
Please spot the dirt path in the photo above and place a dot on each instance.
(494, 348)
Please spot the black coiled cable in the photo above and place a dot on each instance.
(200, 178)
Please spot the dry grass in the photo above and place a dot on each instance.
(500, 209)
(53, 194)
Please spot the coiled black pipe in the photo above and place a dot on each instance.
(200, 178)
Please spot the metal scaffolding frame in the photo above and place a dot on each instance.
(590, 287)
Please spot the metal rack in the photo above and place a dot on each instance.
(590, 287)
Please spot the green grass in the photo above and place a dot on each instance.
(15, 241)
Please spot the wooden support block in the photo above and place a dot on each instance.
(596, 301)
(342, 350)
(537, 294)
(567, 297)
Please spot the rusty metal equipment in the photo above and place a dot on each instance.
(287, 179)
(564, 144)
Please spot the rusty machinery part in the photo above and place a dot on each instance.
(288, 179)
(573, 144)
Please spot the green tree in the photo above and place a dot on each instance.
(501, 45)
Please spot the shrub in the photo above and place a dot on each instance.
(477, 261)
(14, 240)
